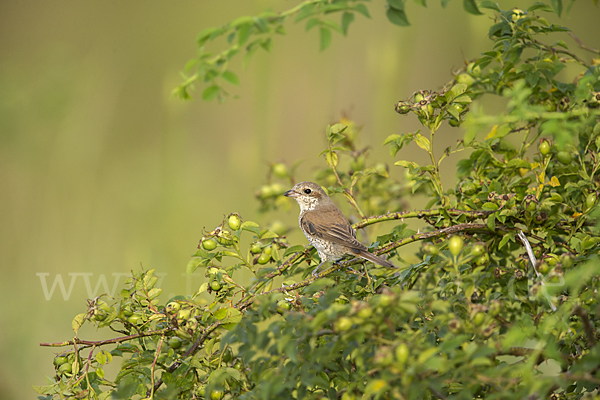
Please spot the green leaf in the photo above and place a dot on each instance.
(325, 38)
(396, 4)
(391, 138)
(244, 32)
(347, 19)
(193, 264)
(46, 389)
(397, 17)
(210, 92)
(311, 23)
(491, 222)
(505, 239)
(470, 6)
(423, 142)
(251, 227)
(293, 249)
(407, 164)
(540, 6)
(490, 5)
(231, 78)
(220, 313)
(338, 128)
(78, 322)
(558, 6)
(362, 9)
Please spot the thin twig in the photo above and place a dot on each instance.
(582, 45)
(533, 262)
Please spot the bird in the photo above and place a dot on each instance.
(326, 228)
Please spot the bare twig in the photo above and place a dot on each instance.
(533, 262)
(582, 45)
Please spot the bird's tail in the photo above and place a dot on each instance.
(376, 259)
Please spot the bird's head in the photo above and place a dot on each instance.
(309, 196)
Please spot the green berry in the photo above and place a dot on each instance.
(215, 285)
(280, 170)
(402, 353)
(478, 250)
(174, 342)
(343, 324)
(264, 258)
(209, 244)
(60, 360)
(256, 248)
(455, 245)
(234, 222)
(590, 200)
(544, 147)
(564, 157)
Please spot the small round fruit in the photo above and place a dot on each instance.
(227, 355)
(172, 307)
(478, 250)
(135, 319)
(468, 188)
(280, 170)
(343, 324)
(216, 395)
(348, 396)
(60, 360)
(544, 268)
(431, 249)
(256, 248)
(264, 258)
(385, 300)
(544, 147)
(479, 318)
(209, 244)
(238, 365)
(66, 367)
(99, 315)
(283, 305)
(455, 245)
(234, 222)
(564, 157)
(482, 260)
(453, 122)
(590, 200)
(365, 313)
(268, 250)
(127, 310)
(215, 285)
(566, 261)
(174, 342)
(402, 353)
(465, 78)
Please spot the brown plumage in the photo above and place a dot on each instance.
(326, 228)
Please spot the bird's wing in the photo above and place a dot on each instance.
(331, 225)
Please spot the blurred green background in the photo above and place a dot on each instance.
(102, 171)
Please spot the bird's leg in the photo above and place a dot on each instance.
(314, 273)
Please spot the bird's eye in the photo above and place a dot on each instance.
(307, 191)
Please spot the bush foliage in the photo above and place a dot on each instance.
(502, 303)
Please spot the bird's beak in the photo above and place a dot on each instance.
(290, 193)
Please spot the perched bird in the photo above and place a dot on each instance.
(326, 228)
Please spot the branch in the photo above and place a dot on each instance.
(421, 214)
(88, 343)
(583, 46)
